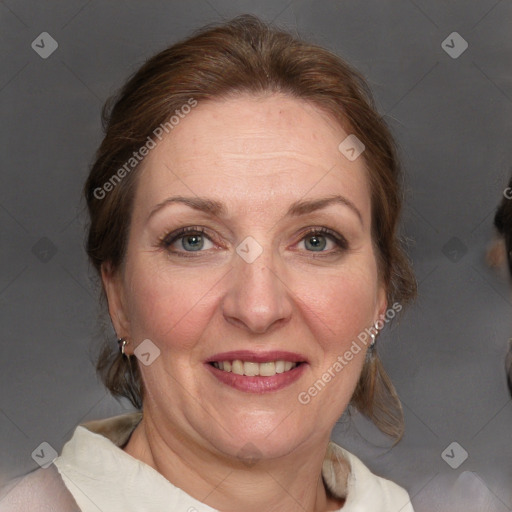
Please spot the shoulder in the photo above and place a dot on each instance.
(39, 491)
(44, 490)
(365, 490)
(117, 428)
(366, 485)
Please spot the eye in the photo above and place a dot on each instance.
(189, 239)
(320, 239)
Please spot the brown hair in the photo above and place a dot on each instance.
(246, 55)
(501, 250)
(503, 222)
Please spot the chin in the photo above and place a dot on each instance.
(249, 451)
(262, 438)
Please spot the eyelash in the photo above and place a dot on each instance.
(170, 238)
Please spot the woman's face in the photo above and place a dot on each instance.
(277, 264)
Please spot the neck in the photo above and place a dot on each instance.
(285, 484)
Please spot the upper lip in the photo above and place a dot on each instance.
(257, 357)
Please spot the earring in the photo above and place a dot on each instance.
(372, 344)
(371, 349)
(122, 342)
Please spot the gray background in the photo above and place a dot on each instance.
(452, 118)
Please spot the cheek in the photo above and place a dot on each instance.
(338, 317)
(340, 306)
(170, 307)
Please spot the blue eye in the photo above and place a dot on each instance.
(192, 242)
(316, 243)
(192, 239)
(317, 240)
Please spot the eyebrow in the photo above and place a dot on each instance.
(296, 209)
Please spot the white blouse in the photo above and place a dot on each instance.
(103, 477)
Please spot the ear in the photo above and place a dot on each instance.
(382, 302)
(496, 255)
(115, 292)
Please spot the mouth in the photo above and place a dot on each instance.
(255, 372)
(254, 369)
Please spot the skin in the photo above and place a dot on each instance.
(257, 155)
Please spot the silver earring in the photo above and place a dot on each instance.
(371, 349)
(374, 336)
(372, 344)
(122, 342)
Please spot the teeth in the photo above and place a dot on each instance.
(279, 366)
(267, 369)
(237, 367)
(252, 369)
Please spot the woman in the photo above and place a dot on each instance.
(244, 206)
(501, 252)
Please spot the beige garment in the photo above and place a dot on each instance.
(101, 477)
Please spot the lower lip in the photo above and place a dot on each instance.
(258, 384)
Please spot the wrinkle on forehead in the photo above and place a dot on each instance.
(256, 149)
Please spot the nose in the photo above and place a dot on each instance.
(257, 298)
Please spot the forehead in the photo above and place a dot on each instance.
(255, 149)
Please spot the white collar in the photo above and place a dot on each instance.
(101, 476)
